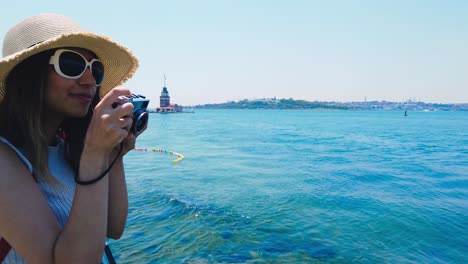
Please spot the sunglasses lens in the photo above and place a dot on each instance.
(98, 72)
(71, 64)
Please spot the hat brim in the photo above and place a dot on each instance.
(119, 62)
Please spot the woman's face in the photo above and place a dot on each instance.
(71, 97)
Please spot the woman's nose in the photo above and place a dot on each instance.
(87, 78)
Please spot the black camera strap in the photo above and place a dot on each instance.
(78, 181)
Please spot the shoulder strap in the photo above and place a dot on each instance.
(4, 249)
(18, 153)
(21, 156)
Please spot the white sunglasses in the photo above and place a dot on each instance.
(72, 65)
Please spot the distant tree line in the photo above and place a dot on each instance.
(290, 103)
(271, 104)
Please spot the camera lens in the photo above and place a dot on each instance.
(140, 121)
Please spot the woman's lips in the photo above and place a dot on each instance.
(84, 97)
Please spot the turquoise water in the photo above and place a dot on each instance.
(272, 186)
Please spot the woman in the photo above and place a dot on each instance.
(64, 129)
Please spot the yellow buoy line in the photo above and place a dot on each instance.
(170, 152)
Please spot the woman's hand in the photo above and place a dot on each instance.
(111, 123)
(127, 144)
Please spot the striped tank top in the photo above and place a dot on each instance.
(59, 198)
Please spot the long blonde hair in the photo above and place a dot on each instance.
(23, 110)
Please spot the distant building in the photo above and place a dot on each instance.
(164, 99)
(165, 105)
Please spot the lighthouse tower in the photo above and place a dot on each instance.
(165, 102)
(164, 99)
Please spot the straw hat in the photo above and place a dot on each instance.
(48, 31)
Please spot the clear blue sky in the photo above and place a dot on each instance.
(215, 51)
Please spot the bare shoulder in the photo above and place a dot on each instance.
(11, 165)
(26, 221)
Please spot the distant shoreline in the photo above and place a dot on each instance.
(317, 105)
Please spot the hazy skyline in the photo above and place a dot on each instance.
(216, 51)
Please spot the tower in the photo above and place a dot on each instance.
(164, 99)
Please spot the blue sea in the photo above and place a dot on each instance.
(286, 186)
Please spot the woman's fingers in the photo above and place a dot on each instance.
(112, 120)
(113, 99)
(126, 123)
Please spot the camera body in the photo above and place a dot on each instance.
(140, 114)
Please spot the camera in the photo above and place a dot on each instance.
(140, 114)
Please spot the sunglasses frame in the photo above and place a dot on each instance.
(54, 60)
